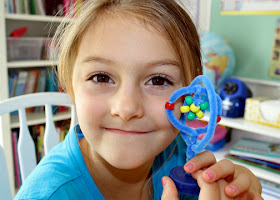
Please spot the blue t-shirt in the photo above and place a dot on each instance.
(62, 173)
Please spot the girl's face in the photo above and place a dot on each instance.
(124, 74)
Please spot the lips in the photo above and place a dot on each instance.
(125, 132)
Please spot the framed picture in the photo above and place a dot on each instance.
(274, 68)
(250, 7)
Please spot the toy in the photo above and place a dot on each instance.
(233, 95)
(183, 181)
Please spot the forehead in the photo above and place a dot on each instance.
(122, 37)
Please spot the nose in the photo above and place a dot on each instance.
(127, 103)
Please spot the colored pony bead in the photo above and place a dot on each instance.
(191, 116)
(204, 106)
(218, 119)
(194, 108)
(169, 106)
(185, 109)
(200, 114)
(189, 100)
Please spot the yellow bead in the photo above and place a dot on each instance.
(200, 114)
(194, 108)
(185, 109)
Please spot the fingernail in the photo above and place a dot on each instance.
(211, 175)
(189, 166)
(163, 181)
(233, 189)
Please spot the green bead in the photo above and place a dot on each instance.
(204, 106)
(191, 116)
(189, 100)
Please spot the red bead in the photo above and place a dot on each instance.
(218, 119)
(169, 106)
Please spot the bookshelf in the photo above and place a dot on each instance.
(260, 173)
(243, 128)
(38, 26)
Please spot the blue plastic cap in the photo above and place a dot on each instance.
(184, 182)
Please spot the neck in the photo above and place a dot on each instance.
(114, 183)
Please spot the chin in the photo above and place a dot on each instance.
(128, 161)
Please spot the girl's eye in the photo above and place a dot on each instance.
(101, 78)
(159, 80)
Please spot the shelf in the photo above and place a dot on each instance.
(260, 173)
(31, 63)
(39, 18)
(259, 82)
(242, 124)
(39, 118)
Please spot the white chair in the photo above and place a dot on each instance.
(26, 146)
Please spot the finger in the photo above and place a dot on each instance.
(222, 169)
(207, 191)
(169, 189)
(239, 185)
(210, 191)
(200, 161)
(222, 184)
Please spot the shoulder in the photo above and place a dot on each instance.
(56, 170)
(45, 180)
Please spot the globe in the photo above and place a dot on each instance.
(218, 58)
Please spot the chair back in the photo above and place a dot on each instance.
(26, 146)
(5, 190)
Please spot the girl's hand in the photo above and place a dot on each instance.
(240, 182)
(209, 191)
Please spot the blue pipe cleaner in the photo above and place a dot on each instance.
(189, 134)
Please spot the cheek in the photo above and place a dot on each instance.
(90, 108)
(158, 113)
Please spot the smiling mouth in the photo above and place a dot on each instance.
(123, 132)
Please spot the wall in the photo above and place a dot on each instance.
(251, 37)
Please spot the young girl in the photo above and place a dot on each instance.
(120, 61)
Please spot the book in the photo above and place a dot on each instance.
(31, 83)
(11, 82)
(33, 7)
(7, 6)
(66, 5)
(40, 10)
(250, 163)
(27, 7)
(14, 78)
(257, 149)
(270, 188)
(40, 142)
(264, 162)
(16, 161)
(41, 87)
(22, 80)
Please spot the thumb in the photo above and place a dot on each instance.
(169, 189)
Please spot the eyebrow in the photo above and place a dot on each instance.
(107, 61)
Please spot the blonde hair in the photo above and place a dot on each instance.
(166, 16)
